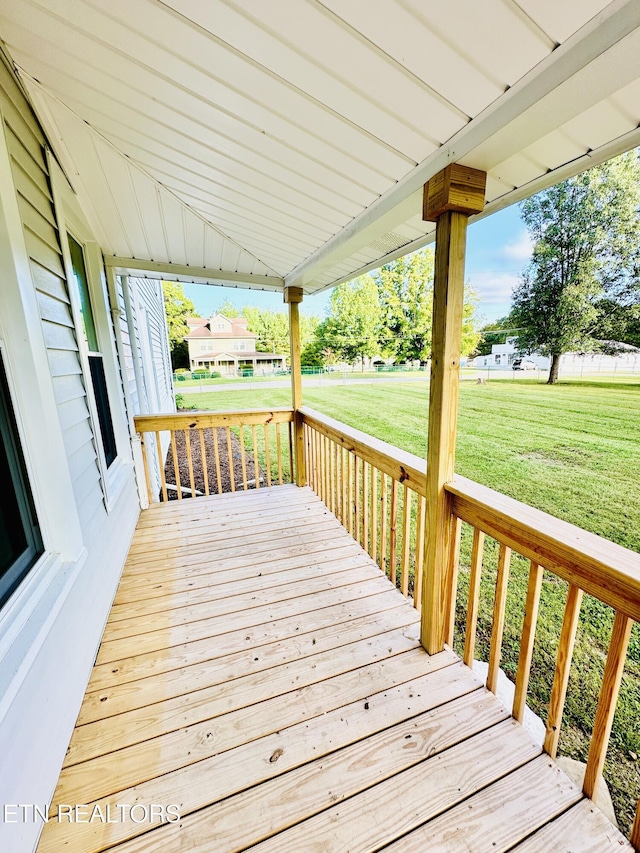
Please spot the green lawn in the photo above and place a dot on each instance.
(572, 450)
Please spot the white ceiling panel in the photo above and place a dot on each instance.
(288, 141)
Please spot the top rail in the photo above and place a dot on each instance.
(205, 420)
(596, 565)
(406, 468)
(202, 450)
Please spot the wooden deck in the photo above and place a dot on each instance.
(260, 673)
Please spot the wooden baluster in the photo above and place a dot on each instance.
(419, 551)
(176, 468)
(343, 480)
(357, 467)
(256, 466)
(216, 454)
(451, 587)
(365, 505)
(145, 464)
(163, 479)
(351, 506)
(477, 551)
(383, 523)
(314, 453)
(291, 478)
(393, 538)
(336, 455)
(323, 468)
(499, 606)
(187, 441)
(526, 643)
(279, 451)
(406, 541)
(267, 454)
(563, 666)
(634, 838)
(611, 681)
(332, 477)
(232, 476)
(243, 458)
(203, 457)
(373, 506)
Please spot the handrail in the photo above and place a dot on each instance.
(345, 462)
(601, 568)
(194, 439)
(402, 466)
(203, 420)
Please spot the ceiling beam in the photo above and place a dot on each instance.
(195, 275)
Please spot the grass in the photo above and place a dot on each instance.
(571, 450)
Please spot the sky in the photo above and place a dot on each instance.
(498, 248)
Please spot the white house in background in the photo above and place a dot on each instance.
(626, 360)
(226, 345)
(502, 357)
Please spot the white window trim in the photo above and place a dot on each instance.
(71, 221)
(30, 382)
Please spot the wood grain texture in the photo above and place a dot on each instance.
(297, 716)
(499, 816)
(581, 829)
(477, 552)
(531, 606)
(499, 604)
(563, 667)
(448, 298)
(611, 681)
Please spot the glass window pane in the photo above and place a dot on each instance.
(102, 405)
(20, 541)
(80, 275)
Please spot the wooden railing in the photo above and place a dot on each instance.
(202, 445)
(588, 563)
(377, 491)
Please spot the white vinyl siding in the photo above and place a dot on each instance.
(24, 140)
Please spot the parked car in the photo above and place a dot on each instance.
(524, 364)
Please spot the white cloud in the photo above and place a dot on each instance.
(520, 249)
(493, 286)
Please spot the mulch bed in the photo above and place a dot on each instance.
(198, 468)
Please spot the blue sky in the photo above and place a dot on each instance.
(498, 248)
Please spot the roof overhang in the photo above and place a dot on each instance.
(262, 145)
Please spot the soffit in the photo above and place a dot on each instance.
(290, 139)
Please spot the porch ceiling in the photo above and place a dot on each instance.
(258, 144)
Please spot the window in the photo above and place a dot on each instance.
(20, 540)
(96, 363)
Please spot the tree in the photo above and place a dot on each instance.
(177, 308)
(618, 322)
(352, 328)
(470, 332)
(587, 246)
(494, 333)
(228, 309)
(405, 291)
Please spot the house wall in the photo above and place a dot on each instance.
(51, 627)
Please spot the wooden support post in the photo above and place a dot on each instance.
(293, 297)
(450, 197)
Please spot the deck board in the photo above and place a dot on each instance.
(258, 671)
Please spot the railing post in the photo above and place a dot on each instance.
(293, 297)
(450, 197)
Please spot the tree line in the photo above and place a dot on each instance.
(385, 314)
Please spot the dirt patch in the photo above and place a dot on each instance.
(558, 456)
(226, 464)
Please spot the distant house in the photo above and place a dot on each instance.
(613, 357)
(226, 345)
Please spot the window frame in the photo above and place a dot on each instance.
(72, 222)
